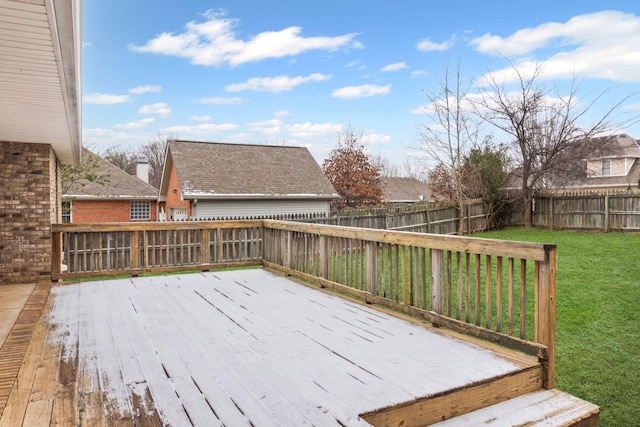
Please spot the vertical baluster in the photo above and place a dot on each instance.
(487, 295)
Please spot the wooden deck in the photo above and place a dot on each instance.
(248, 347)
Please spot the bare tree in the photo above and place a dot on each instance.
(452, 129)
(352, 172)
(545, 127)
(154, 151)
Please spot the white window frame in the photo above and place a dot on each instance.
(67, 214)
(140, 210)
(606, 167)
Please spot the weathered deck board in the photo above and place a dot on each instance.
(16, 340)
(241, 347)
(541, 408)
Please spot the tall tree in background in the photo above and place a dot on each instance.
(544, 126)
(352, 172)
(487, 175)
(153, 152)
(74, 177)
(447, 136)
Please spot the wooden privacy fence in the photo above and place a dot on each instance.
(588, 211)
(422, 218)
(496, 290)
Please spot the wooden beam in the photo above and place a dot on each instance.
(459, 401)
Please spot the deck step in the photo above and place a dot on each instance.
(548, 408)
(455, 402)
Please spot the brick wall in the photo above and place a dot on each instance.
(94, 211)
(29, 200)
(174, 194)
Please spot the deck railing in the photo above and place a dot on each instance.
(496, 290)
(132, 249)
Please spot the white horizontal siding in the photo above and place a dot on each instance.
(254, 208)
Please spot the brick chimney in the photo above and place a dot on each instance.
(142, 169)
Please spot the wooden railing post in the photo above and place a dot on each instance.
(134, 250)
(205, 246)
(437, 281)
(371, 255)
(545, 312)
(56, 254)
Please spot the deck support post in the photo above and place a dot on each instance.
(545, 312)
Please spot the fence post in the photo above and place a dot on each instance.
(606, 213)
(371, 255)
(545, 311)
(553, 212)
(437, 280)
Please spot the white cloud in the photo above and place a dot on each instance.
(275, 84)
(361, 91)
(217, 100)
(159, 109)
(201, 129)
(376, 138)
(105, 99)
(308, 129)
(358, 65)
(214, 42)
(418, 73)
(427, 45)
(598, 45)
(138, 124)
(282, 113)
(266, 127)
(396, 66)
(200, 118)
(145, 89)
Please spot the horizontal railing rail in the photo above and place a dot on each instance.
(500, 291)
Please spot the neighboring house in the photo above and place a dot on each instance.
(204, 180)
(403, 190)
(117, 197)
(40, 117)
(613, 164)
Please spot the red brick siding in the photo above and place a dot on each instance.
(174, 200)
(94, 211)
(29, 185)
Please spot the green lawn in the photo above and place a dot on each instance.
(598, 318)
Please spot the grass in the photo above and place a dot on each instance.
(598, 318)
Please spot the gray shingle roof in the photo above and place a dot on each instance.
(397, 189)
(118, 185)
(223, 170)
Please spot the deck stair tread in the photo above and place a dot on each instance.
(542, 408)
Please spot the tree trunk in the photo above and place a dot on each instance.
(527, 207)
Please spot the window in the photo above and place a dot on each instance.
(140, 210)
(606, 167)
(66, 212)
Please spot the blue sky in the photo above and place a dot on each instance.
(297, 72)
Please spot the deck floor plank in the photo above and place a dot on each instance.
(232, 348)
